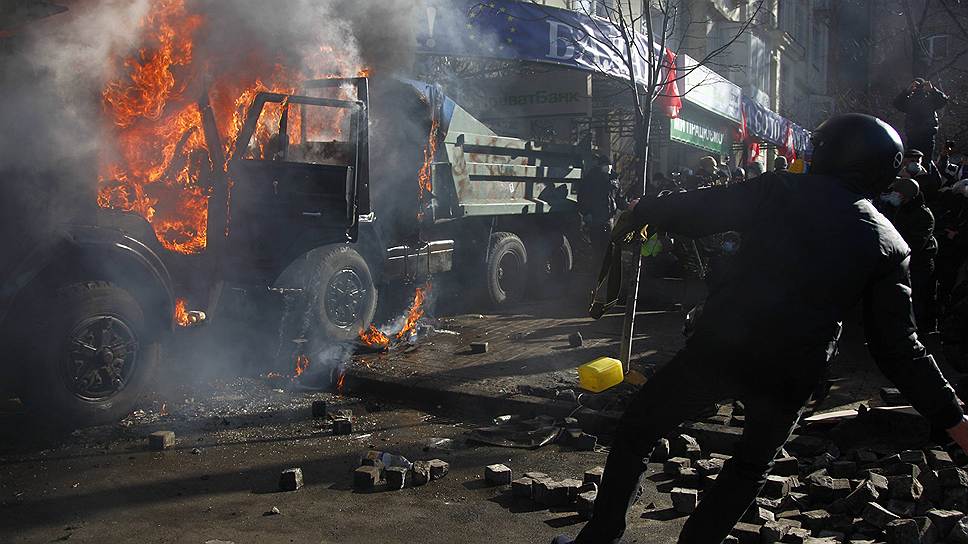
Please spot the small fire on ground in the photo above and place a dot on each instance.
(376, 338)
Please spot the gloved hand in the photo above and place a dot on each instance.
(626, 227)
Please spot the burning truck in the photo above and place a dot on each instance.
(325, 192)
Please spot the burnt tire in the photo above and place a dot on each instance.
(91, 355)
(342, 294)
(550, 261)
(506, 269)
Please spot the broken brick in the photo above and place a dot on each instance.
(786, 466)
(685, 446)
(365, 478)
(858, 498)
(685, 500)
(892, 397)
(420, 473)
(747, 533)
(905, 488)
(161, 440)
(594, 475)
(319, 408)
(842, 469)
(342, 426)
(709, 466)
(551, 493)
(290, 479)
(878, 516)
(585, 504)
(938, 459)
(674, 464)
(497, 475)
(959, 533)
(953, 477)
(944, 520)
(776, 487)
(396, 477)
(586, 442)
(827, 489)
(660, 452)
(438, 469)
(522, 488)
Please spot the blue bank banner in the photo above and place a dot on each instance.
(773, 128)
(524, 31)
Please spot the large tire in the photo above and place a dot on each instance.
(342, 295)
(551, 260)
(506, 269)
(92, 355)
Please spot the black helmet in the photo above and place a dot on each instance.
(859, 148)
(739, 172)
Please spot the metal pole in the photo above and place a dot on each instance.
(628, 326)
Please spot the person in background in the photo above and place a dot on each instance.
(813, 248)
(753, 169)
(920, 103)
(780, 164)
(739, 175)
(596, 202)
(904, 205)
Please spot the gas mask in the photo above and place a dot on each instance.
(893, 198)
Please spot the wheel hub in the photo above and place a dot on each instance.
(102, 355)
(345, 297)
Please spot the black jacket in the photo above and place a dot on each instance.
(921, 108)
(812, 249)
(915, 222)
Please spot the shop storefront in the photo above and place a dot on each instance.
(761, 129)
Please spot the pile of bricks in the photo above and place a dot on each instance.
(341, 419)
(822, 495)
(547, 491)
(373, 474)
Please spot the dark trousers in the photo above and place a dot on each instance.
(923, 141)
(774, 393)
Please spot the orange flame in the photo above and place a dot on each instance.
(374, 337)
(340, 382)
(302, 365)
(415, 313)
(181, 313)
(160, 164)
(425, 174)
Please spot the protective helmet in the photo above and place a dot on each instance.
(739, 172)
(780, 163)
(859, 148)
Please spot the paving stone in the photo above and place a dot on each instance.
(932, 486)
(535, 475)
(959, 534)
(815, 519)
(438, 468)
(903, 509)
(551, 493)
(521, 488)
(773, 505)
(342, 426)
(858, 498)
(497, 475)
(585, 504)
(773, 531)
(938, 459)
(685, 500)
(955, 498)
(903, 531)
(796, 535)
(758, 515)
(832, 536)
(685, 446)
(586, 442)
(953, 477)
(915, 457)
(842, 469)
(689, 477)
(319, 409)
(420, 473)
(827, 489)
(892, 397)
(366, 478)
(674, 464)
(714, 438)
(594, 475)
(944, 520)
(575, 340)
(661, 451)
(747, 533)
(161, 440)
(776, 487)
(863, 457)
(709, 466)
(478, 347)
(806, 446)
(290, 479)
(878, 516)
(879, 482)
(396, 477)
(572, 485)
(905, 488)
(786, 466)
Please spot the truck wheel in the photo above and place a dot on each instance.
(551, 261)
(507, 269)
(93, 355)
(344, 295)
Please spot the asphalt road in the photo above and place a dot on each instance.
(104, 485)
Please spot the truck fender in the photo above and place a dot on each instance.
(96, 253)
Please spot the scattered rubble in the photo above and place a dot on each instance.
(497, 475)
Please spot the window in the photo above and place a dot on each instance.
(599, 8)
(935, 47)
(817, 38)
(759, 64)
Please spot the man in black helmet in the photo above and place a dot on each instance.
(813, 247)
